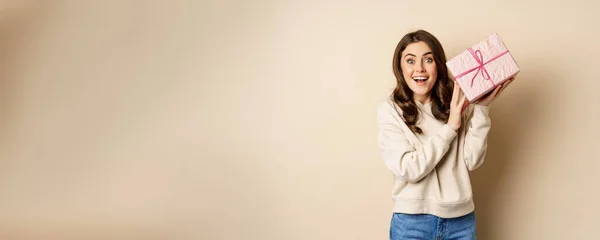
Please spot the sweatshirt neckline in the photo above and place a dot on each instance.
(423, 105)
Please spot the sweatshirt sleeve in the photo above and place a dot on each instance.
(478, 125)
(401, 158)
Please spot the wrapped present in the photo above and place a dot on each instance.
(482, 67)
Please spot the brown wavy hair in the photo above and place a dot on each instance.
(441, 93)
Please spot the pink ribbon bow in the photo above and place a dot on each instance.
(480, 67)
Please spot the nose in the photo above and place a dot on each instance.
(419, 67)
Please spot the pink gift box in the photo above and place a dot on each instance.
(482, 67)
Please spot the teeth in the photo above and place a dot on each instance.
(420, 78)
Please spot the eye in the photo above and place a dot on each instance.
(428, 60)
(410, 61)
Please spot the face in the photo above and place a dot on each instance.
(419, 70)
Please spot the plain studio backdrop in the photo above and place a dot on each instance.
(257, 119)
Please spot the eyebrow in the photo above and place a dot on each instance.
(410, 54)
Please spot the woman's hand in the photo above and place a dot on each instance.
(457, 106)
(487, 100)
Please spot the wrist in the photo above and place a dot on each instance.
(453, 126)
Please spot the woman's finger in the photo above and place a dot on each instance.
(496, 91)
(504, 86)
(455, 94)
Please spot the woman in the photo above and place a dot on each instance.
(430, 137)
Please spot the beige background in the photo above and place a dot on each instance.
(256, 119)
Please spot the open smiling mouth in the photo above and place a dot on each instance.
(420, 80)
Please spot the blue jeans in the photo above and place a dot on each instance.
(430, 227)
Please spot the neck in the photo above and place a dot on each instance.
(423, 99)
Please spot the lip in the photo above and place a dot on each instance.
(421, 83)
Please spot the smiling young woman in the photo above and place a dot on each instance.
(430, 137)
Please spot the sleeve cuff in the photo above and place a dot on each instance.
(447, 133)
(485, 110)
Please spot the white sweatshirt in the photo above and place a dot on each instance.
(432, 169)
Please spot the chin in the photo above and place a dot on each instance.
(421, 91)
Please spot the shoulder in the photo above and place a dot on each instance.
(388, 111)
(387, 107)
